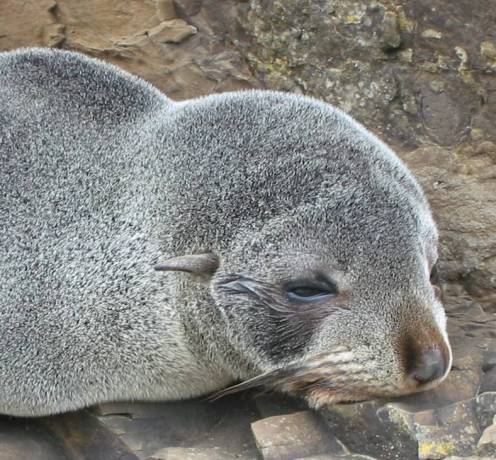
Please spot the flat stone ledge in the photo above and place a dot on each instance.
(190, 453)
(337, 457)
(291, 436)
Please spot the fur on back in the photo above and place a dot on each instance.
(102, 176)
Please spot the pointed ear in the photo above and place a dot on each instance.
(194, 264)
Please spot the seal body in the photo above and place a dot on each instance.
(102, 177)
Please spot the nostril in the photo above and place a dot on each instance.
(430, 365)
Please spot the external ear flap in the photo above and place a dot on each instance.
(195, 264)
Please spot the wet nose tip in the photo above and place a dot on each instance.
(430, 366)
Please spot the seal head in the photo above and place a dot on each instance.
(327, 250)
(293, 248)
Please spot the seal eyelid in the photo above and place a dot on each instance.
(435, 280)
(305, 291)
(434, 275)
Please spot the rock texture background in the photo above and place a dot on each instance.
(420, 74)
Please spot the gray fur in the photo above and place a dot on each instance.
(102, 178)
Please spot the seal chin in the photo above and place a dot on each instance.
(318, 398)
(334, 378)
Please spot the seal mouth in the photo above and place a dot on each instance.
(328, 378)
(325, 378)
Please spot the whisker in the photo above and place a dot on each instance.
(295, 377)
(255, 382)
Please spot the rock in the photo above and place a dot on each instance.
(431, 33)
(400, 417)
(117, 408)
(225, 63)
(456, 431)
(463, 56)
(146, 428)
(166, 10)
(116, 30)
(488, 148)
(172, 31)
(406, 56)
(443, 131)
(83, 436)
(488, 49)
(391, 31)
(488, 53)
(485, 405)
(487, 442)
(337, 457)
(291, 436)
(358, 412)
(488, 380)
(368, 428)
(432, 445)
(447, 430)
(27, 439)
(471, 457)
(190, 453)
(53, 35)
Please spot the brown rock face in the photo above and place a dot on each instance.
(172, 45)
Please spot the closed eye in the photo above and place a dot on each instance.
(304, 291)
(434, 276)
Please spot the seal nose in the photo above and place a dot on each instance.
(430, 365)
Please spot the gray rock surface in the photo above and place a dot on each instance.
(300, 434)
(190, 453)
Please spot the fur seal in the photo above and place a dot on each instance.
(159, 250)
